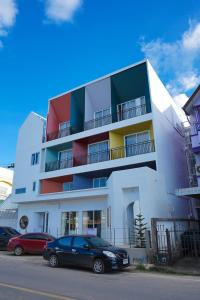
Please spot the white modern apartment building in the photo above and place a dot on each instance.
(109, 149)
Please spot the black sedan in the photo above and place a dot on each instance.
(86, 251)
(6, 233)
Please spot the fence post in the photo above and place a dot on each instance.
(169, 250)
(154, 236)
(194, 240)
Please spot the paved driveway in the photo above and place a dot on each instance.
(29, 277)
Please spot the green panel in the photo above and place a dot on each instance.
(130, 84)
(52, 152)
(77, 110)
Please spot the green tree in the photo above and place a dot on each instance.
(140, 228)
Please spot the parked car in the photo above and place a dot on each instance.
(29, 243)
(85, 251)
(5, 234)
(190, 242)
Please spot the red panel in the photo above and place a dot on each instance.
(79, 153)
(54, 185)
(59, 111)
(48, 186)
(80, 148)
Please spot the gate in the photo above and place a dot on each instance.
(171, 239)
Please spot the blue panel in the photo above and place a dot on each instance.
(81, 182)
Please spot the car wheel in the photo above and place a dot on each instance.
(18, 251)
(53, 261)
(98, 266)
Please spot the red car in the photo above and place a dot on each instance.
(29, 243)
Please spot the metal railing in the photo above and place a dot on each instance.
(132, 150)
(96, 157)
(131, 112)
(58, 134)
(94, 123)
(59, 164)
(92, 158)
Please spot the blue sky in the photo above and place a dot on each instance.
(50, 46)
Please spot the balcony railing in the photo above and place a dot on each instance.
(132, 150)
(114, 153)
(59, 164)
(94, 123)
(58, 134)
(131, 112)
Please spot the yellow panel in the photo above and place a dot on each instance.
(117, 137)
(117, 143)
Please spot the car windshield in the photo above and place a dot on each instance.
(97, 242)
(12, 231)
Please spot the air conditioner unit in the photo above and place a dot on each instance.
(197, 167)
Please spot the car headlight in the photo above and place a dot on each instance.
(109, 254)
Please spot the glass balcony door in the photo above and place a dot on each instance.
(137, 143)
(65, 158)
(131, 108)
(98, 152)
(102, 117)
(64, 128)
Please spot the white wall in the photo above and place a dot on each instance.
(169, 144)
(29, 142)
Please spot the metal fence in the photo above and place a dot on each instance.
(167, 245)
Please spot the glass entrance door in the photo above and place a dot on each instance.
(92, 222)
(69, 222)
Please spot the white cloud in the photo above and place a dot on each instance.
(176, 60)
(62, 10)
(180, 99)
(8, 12)
(191, 38)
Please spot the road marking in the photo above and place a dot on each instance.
(36, 292)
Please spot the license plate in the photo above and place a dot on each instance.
(125, 261)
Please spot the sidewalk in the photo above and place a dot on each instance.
(185, 266)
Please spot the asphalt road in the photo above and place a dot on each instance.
(29, 277)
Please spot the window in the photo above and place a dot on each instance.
(79, 242)
(65, 241)
(28, 236)
(20, 191)
(35, 158)
(34, 186)
(67, 186)
(98, 152)
(137, 143)
(99, 182)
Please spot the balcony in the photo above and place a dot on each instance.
(58, 134)
(132, 150)
(114, 153)
(94, 123)
(58, 165)
(131, 112)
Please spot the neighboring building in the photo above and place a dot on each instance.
(112, 149)
(6, 178)
(192, 151)
(8, 210)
